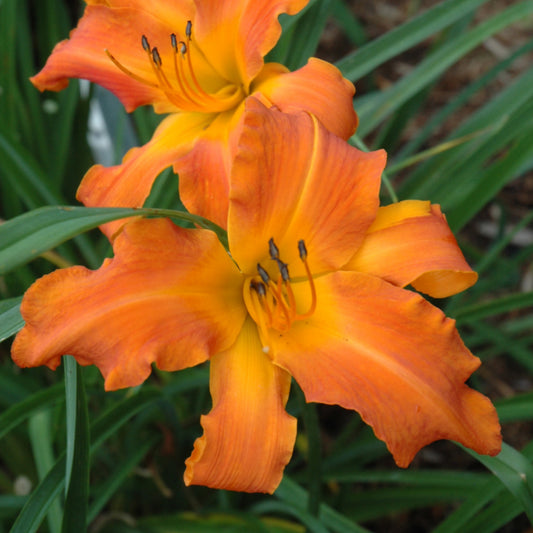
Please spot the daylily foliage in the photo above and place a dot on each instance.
(197, 60)
(313, 288)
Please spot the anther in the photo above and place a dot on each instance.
(273, 249)
(302, 250)
(183, 48)
(156, 57)
(145, 43)
(188, 29)
(174, 42)
(264, 274)
(283, 269)
(259, 288)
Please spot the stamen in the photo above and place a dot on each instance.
(199, 89)
(185, 91)
(183, 82)
(303, 256)
(259, 288)
(283, 270)
(163, 80)
(302, 250)
(156, 57)
(258, 308)
(178, 72)
(272, 303)
(145, 43)
(128, 72)
(264, 274)
(273, 249)
(157, 63)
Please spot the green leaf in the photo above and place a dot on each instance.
(35, 509)
(22, 172)
(10, 318)
(515, 471)
(41, 498)
(385, 103)
(366, 59)
(31, 234)
(22, 410)
(226, 522)
(497, 306)
(115, 479)
(297, 498)
(76, 503)
(311, 523)
(490, 181)
(459, 519)
(305, 34)
(40, 433)
(515, 408)
(71, 407)
(446, 172)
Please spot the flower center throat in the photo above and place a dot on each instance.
(272, 303)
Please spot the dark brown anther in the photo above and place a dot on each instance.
(263, 273)
(188, 29)
(273, 249)
(174, 42)
(302, 250)
(283, 269)
(259, 288)
(156, 57)
(145, 43)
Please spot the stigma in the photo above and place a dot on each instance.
(175, 76)
(271, 301)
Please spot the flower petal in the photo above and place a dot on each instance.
(204, 170)
(117, 27)
(129, 184)
(292, 179)
(248, 436)
(236, 34)
(394, 358)
(317, 87)
(410, 242)
(170, 296)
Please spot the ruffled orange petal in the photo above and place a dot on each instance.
(170, 296)
(118, 27)
(291, 180)
(248, 436)
(318, 88)
(236, 34)
(129, 184)
(394, 358)
(410, 242)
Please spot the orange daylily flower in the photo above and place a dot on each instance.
(197, 60)
(313, 288)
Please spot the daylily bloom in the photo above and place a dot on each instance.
(312, 287)
(197, 60)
